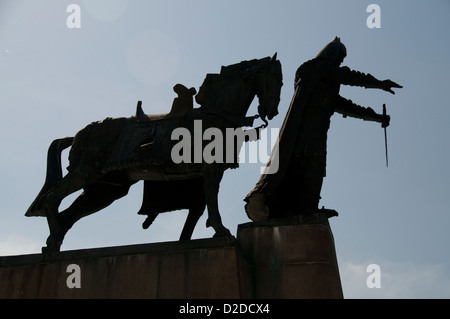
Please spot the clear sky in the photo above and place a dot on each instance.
(54, 80)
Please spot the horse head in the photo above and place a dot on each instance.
(233, 90)
(268, 87)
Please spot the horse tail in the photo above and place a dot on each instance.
(54, 173)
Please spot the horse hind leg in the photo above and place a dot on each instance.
(71, 183)
(53, 175)
(94, 198)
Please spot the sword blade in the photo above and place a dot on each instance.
(386, 147)
(385, 138)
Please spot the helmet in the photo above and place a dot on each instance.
(334, 51)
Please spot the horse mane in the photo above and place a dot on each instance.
(244, 68)
(214, 81)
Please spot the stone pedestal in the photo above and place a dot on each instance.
(292, 258)
(204, 268)
(288, 258)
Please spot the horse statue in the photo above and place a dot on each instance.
(107, 157)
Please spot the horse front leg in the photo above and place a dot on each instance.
(194, 215)
(212, 177)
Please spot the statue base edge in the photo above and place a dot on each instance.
(285, 258)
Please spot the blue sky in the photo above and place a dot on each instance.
(55, 80)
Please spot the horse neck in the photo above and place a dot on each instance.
(233, 98)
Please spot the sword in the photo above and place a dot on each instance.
(385, 137)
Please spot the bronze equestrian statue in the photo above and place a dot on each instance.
(294, 189)
(109, 156)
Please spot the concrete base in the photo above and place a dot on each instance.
(206, 268)
(287, 258)
(292, 258)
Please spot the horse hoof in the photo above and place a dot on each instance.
(222, 233)
(50, 249)
(54, 243)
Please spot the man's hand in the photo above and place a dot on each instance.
(387, 85)
(385, 120)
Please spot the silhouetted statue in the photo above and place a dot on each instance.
(109, 156)
(295, 188)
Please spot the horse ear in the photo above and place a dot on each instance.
(274, 58)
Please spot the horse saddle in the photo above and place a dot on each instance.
(181, 105)
(147, 138)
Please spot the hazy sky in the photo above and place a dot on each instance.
(54, 80)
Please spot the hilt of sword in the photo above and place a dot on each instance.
(385, 118)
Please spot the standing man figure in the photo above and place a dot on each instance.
(302, 146)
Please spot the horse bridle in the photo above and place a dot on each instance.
(265, 96)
